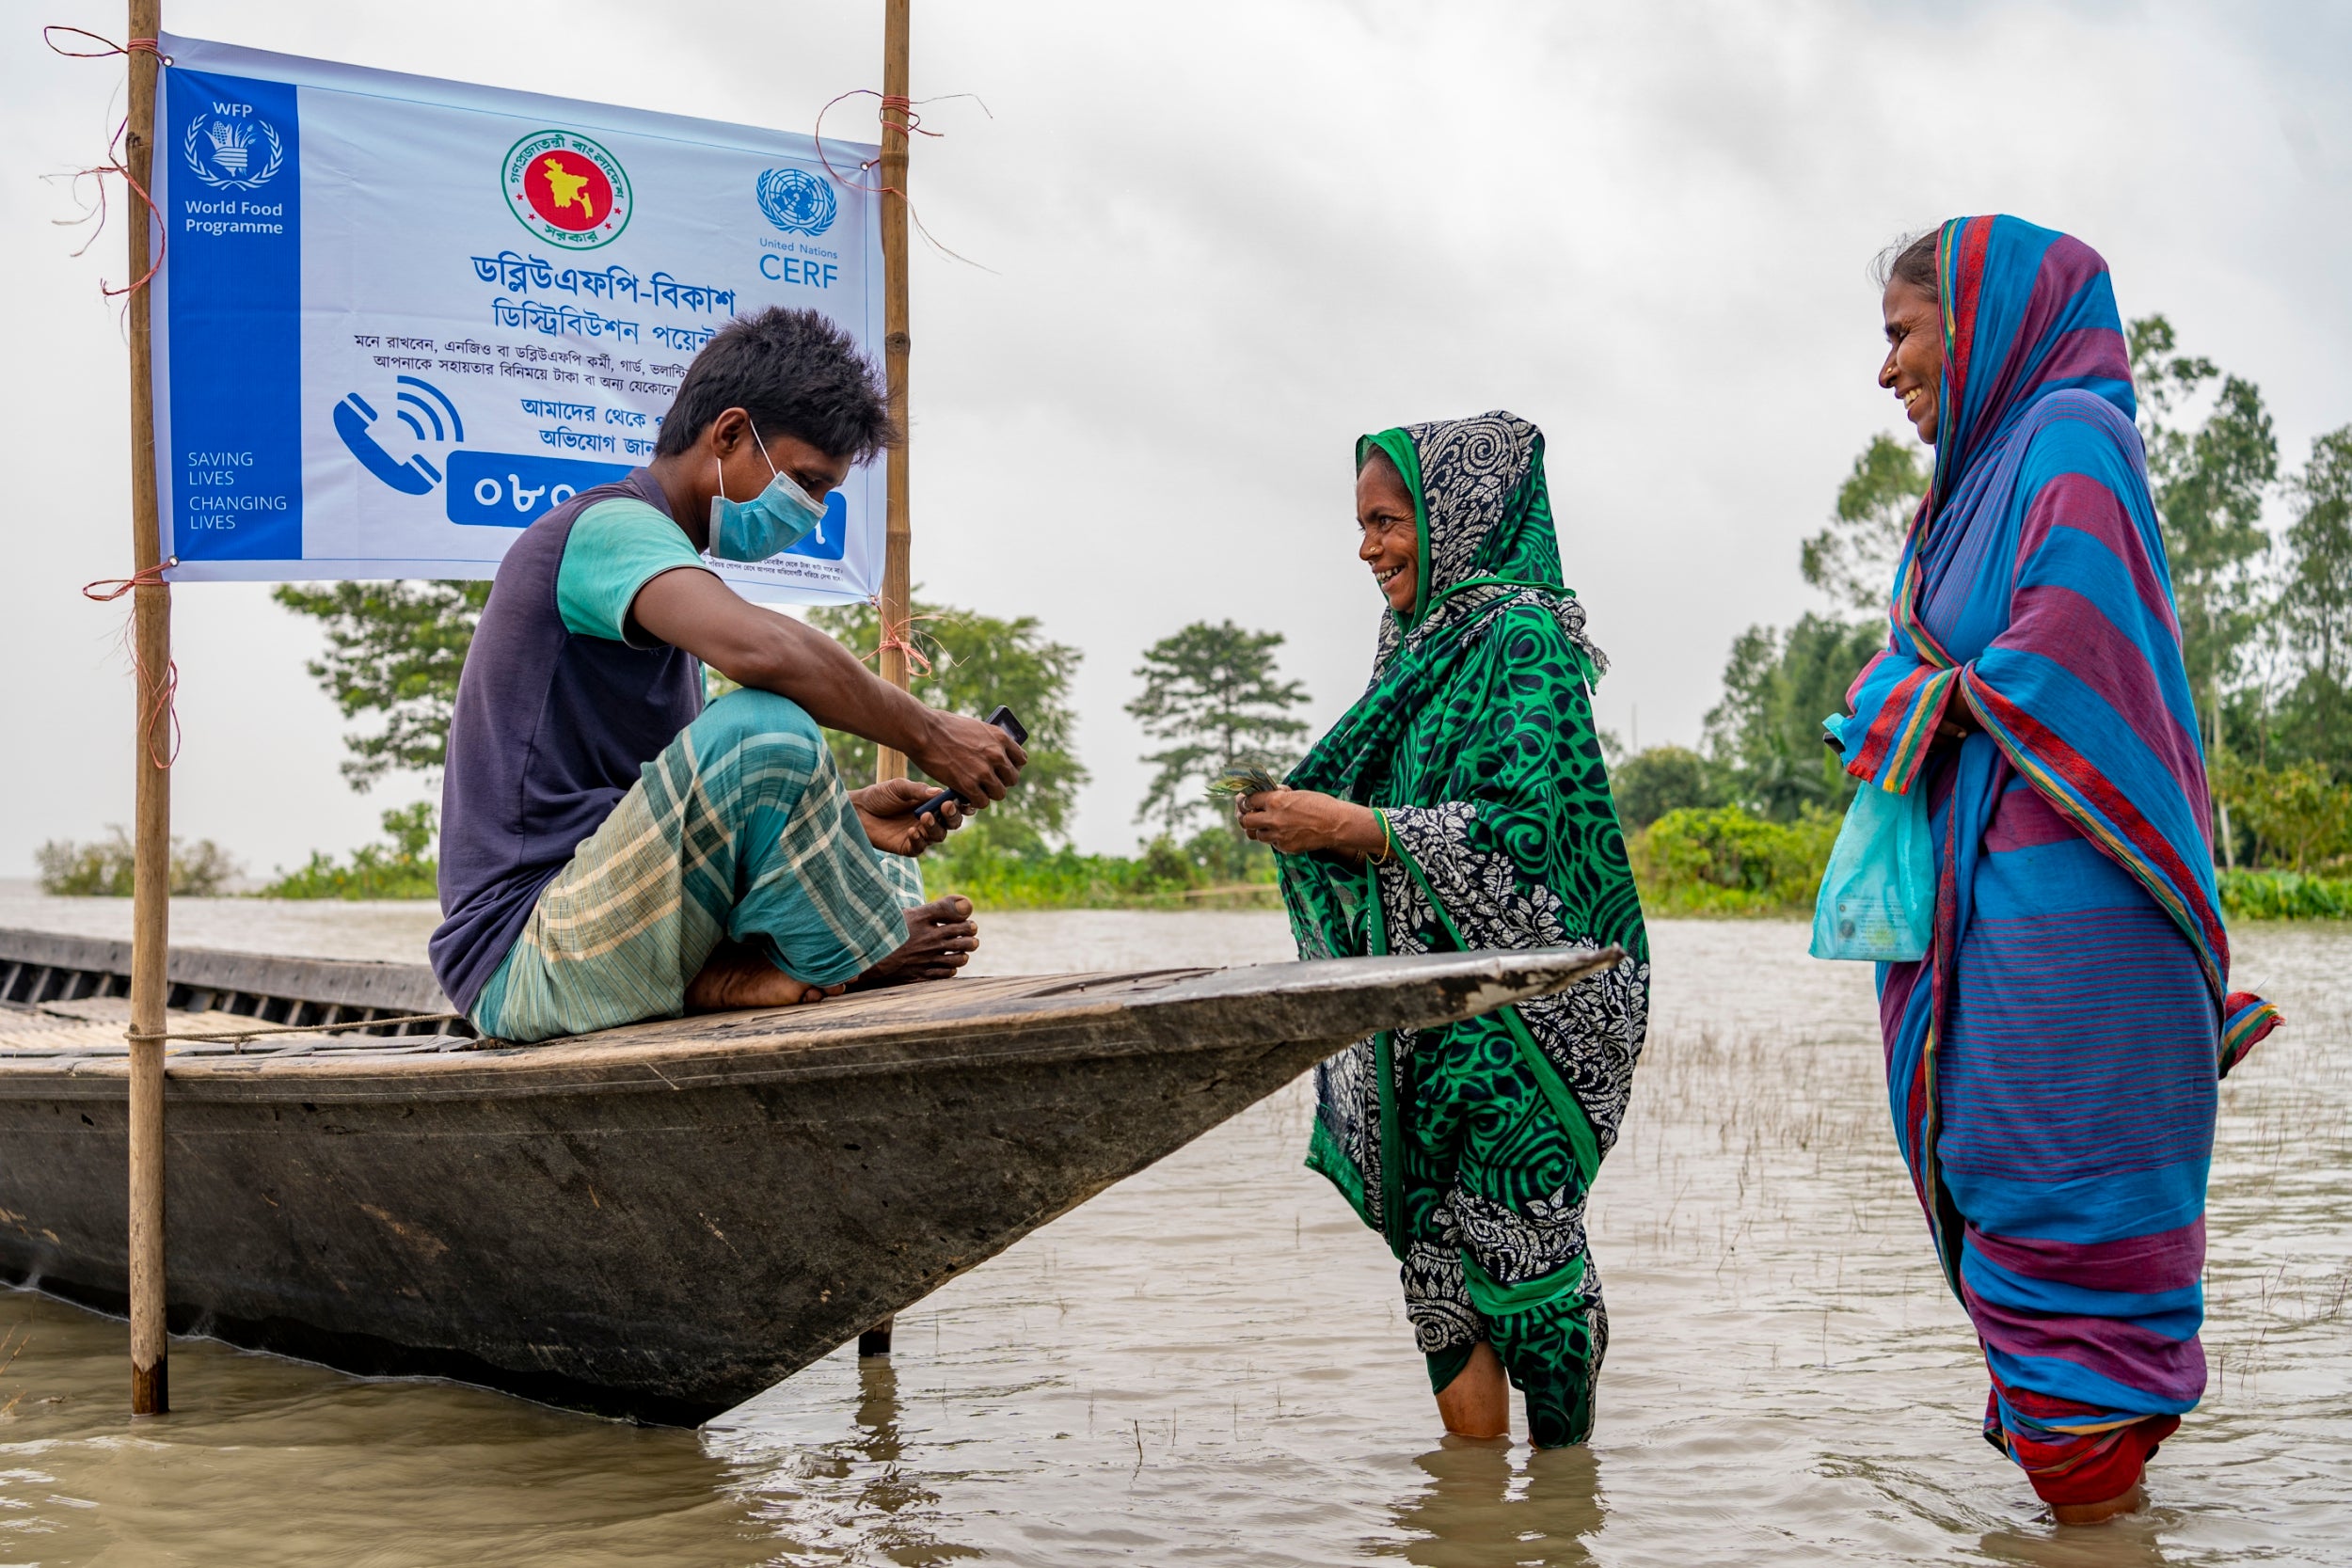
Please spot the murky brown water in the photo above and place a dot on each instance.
(1208, 1364)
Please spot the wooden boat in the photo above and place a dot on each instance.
(655, 1221)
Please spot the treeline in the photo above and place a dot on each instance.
(2266, 633)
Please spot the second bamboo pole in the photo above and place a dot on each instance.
(898, 528)
(898, 535)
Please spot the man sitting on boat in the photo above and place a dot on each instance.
(611, 848)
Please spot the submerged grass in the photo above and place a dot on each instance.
(1758, 1164)
(12, 1343)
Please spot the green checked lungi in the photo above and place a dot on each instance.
(739, 830)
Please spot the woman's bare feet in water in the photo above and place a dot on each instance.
(940, 939)
(736, 977)
(2131, 1501)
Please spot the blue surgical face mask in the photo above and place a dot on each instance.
(769, 524)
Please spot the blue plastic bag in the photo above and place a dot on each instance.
(1877, 897)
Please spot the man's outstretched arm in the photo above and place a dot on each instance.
(693, 609)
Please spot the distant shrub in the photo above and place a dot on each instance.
(2284, 895)
(1648, 784)
(102, 868)
(1213, 869)
(1725, 860)
(398, 869)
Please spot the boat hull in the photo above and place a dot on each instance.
(659, 1222)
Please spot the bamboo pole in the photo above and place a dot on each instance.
(898, 536)
(151, 865)
(898, 528)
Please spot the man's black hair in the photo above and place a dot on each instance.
(795, 374)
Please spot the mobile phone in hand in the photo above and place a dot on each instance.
(1005, 720)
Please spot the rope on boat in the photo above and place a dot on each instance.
(260, 1031)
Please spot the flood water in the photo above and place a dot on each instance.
(1208, 1364)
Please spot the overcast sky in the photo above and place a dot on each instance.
(1223, 239)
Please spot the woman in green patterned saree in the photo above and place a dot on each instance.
(1462, 804)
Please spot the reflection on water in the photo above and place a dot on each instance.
(2135, 1542)
(1209, 1363)
(852, 1498)
(1480, 1511)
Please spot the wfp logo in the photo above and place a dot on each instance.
(797, 201)
(231, 148)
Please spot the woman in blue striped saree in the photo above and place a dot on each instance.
(2052, 1062)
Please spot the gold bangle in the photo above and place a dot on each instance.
(1388, 838)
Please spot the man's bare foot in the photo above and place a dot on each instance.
(736, 977)
(940, 939)
(2132, 1501)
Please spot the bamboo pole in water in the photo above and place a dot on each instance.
(898, 530)
(151, 863)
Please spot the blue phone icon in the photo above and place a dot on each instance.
(423, 418)
(353, 416)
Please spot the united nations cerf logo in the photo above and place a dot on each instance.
(231, 148)
(567, 189)
(797, 201)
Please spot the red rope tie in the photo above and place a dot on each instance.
(897, 637)
(107, 590)
(137, 46)
(113, 150)
(164, 712)
(911, 123)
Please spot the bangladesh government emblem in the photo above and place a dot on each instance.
(797, 201)
(567, 189)
(231, 148)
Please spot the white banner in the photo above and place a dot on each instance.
(398, 319)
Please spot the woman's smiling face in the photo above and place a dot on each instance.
(1913, 371)
(1392, 543)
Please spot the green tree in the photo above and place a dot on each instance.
(1766, 733)
(1852, 560)
(976, 662)
(2300, 817)
(393, 648)
(1649, 783)
(2314, 608)
(1215, 691)
(2208, 482)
